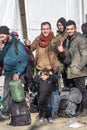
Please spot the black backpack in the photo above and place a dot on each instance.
(20, 114)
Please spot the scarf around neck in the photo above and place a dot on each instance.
(45, 41)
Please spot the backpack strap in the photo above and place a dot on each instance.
(16, 46)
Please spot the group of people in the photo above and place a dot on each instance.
(61, 55)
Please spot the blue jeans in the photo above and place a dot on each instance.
(55, 99)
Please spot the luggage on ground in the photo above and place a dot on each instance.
(70, 98)
(20, 114)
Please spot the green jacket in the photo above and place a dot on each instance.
(78, 50)
(59, 37)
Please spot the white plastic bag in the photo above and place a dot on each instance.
(2, 79)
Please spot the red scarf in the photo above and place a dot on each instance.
(45, 41)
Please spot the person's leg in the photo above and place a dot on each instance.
(80, 84)
(65, 80)
(42, 106)
(55, 99)
(7, 98)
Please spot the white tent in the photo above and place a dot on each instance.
(38, 11)
(10, 15)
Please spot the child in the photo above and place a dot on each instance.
(46, 80)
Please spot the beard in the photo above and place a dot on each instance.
(5, 40)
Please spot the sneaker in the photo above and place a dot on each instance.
(50, 120)
(41, 119)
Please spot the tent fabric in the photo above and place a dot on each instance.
(10, 15)
(38, 11)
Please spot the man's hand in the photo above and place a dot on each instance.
(16, 76)
(27, 42)
(60, 47)
(50, 73)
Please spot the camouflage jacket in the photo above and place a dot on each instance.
(77, 47)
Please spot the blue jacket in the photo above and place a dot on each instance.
(15, 63)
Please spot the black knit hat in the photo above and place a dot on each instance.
(63, 21)
(84, 28)
(4, 30)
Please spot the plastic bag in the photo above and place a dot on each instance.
(17, 91)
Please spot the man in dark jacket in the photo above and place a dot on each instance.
(76, 69)
(14, 59)
(61, 36)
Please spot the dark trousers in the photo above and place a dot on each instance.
(65, 81)
(44, 107)
(7, 96)
(80, 84)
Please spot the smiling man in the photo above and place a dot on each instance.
(76, 70)
(45, 57)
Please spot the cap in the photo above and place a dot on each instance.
(4, 30)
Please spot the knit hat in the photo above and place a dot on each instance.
(4, 30)
(15, 33)
(84, 28)
(63, 21)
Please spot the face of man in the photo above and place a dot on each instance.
(45, 30)
(4, 38)
(71, 30)
(60, 27)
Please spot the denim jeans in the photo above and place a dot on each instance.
(55, 99)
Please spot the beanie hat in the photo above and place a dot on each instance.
(15, 33)
(84, 28)
(63, 21)
(4, 30)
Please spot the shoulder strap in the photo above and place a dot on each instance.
(16, 46)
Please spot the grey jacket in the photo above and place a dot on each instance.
(77, 47)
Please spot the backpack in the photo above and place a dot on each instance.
(20, 114)
(69, 102)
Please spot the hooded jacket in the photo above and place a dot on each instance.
(15, 63)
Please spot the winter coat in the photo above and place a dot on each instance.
(77, 47)
(45, 57)
(15, 62)
(60, 37)
(46, 87)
